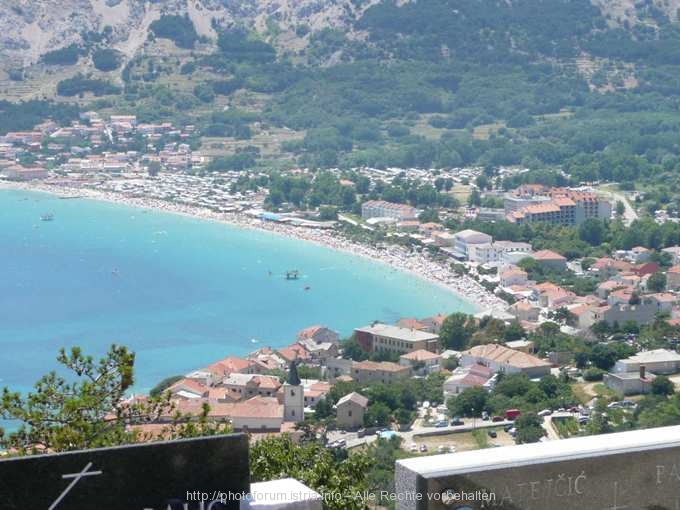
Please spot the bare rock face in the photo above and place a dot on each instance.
(29, 29)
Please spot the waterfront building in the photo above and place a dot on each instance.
(319, 334)
(383, 209)
(466, 240)
(387, 338)
(561, 206)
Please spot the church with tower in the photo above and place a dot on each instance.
(293, 396)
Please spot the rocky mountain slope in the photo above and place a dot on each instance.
(29, 29)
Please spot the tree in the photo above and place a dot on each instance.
(88, 409)
(474, 198)
(377, 415)
(470, 402)
(153, 168)
(620, 209)
(662, 385)
(106, 59)
(513, 385)
(603, 357)
(514, 331)
(339, 477)
(323, 409)
(529, 428)
(656, 282)
(164, 385)
(352, 349)
(328, 213)
(429, 215)
(404, 416)
(456, 331)
(591, 231)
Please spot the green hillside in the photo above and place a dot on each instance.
(433, 83)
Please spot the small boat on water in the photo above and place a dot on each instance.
(47, 217)
(293, 274)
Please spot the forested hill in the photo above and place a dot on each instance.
(588, 87)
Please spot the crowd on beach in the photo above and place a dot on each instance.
(398, 257)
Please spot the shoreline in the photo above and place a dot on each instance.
(416, 264)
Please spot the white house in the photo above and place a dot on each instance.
(466, 377)
(465, 240)
(502, 359)
(658, 361)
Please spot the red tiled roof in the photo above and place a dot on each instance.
(548, 255)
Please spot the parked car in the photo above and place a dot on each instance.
(457, 421)
(497, 419)
(513, 431)
(485, 416)
(442, 423)
(582, 420)
(413, 447)
(512, 414)
(508, 427)
(452, 449)
(441, 448)
(341, 443)
(423, 447)
(492, 434)
(545, 412)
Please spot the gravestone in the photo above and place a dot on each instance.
(193, 474)
(637, 470)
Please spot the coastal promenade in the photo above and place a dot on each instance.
(397, 257)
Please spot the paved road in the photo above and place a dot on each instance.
(629, 214)
(407, 436)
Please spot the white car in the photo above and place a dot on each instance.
(413, 447)
(545, 412)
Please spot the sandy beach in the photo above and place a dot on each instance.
(397, 257)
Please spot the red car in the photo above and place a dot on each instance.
(497, 418)
(512, 414)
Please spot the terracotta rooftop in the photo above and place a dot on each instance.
(548, 255)
(503, 355)
(354, 397)
(420, 355)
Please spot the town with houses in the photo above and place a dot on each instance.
(265, 392)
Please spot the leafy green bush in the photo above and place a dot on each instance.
(593, 374)
(106, 59)
(79, 84)
(178, 29)
(66, 56)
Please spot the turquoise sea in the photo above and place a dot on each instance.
(180, 292)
